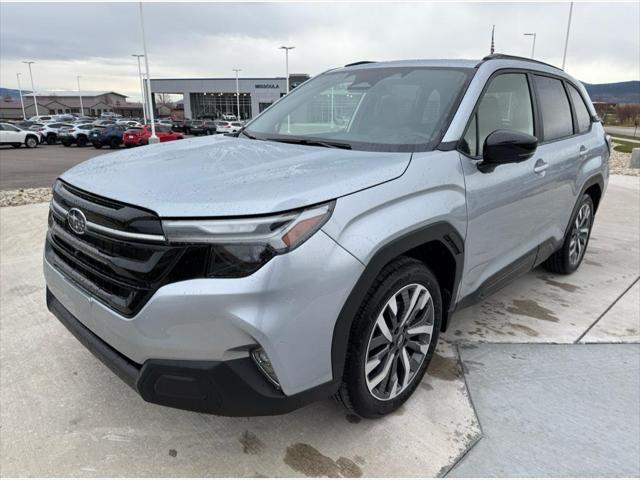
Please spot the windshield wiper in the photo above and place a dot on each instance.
(244, 132)
(313, 143)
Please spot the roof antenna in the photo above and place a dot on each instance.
(493, 45)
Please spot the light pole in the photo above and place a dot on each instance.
(286, 53)
(566, 39)
(24, 115)
(144, 103)
(237, 90)
(33, 90)
(533, 47)
(80, 95)
(153, 138)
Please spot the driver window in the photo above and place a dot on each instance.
(506, 104)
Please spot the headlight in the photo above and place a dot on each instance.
(240, 246)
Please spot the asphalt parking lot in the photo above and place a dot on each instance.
(39, 167)
(541, 379)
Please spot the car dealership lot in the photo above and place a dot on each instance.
(64, 414)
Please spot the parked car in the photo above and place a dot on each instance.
(43, 118)
(50, 130)
(203, 127)
(228, 127)
(78, 134)
(140, 135)
(16, 137)
(230, 117)
(110, 135)
(178, 126)
(253, 275)
(104, 123)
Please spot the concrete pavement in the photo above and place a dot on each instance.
(62, 413)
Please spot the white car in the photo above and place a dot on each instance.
(44, 118)
(228, 127)
(129, 123)
(16, 137)
(50, 131)
(229, 117)
(78, 134)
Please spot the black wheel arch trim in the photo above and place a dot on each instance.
(442, 232)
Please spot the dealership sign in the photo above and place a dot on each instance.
(267, 85)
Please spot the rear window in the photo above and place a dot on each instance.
(554, 106)
(236, 124)
(582, 113)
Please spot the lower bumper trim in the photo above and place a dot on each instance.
(229, 388)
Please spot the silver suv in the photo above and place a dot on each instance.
(323, 250)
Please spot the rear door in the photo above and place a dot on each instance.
(507, 205)
(559, 156)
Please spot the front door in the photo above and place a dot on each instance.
(505, 206)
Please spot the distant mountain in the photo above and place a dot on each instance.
(11, 92)
(620, 92)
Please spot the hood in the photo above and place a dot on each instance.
(226, 176)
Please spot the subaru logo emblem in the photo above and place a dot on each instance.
(77, 221)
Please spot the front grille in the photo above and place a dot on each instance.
(123, 260)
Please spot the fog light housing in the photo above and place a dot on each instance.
(262, 361)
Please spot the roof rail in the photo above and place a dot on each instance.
(502, 56)
(362, 62)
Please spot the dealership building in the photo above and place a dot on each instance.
(213, 97)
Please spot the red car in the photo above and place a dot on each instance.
(140, 135)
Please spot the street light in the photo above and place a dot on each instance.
(144, 103)
(153, 138)
(80, 95)
(24, 115)
(533, 47)
(33, 90)
(237, 90)
(566, 39)
(286, 51)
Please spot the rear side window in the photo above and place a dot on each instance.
(554, 106)
(506, 104)
(582, 112)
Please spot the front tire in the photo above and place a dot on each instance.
(31, 142)
(568, 258)
(392, 339)
(114, 143)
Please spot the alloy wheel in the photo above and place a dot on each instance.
(580, 234)
(399, 341)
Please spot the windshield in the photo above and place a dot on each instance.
(388, 109)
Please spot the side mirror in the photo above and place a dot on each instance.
(507, 146)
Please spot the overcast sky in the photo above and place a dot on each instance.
(95, 40)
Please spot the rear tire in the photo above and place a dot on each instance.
(114, 143)
(568, 258)
(388, 352)
(81, 141)
(51, 140)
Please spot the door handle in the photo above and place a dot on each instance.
(540, 166)
(583, 150)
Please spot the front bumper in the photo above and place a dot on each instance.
(231, 388)
(289, 307)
